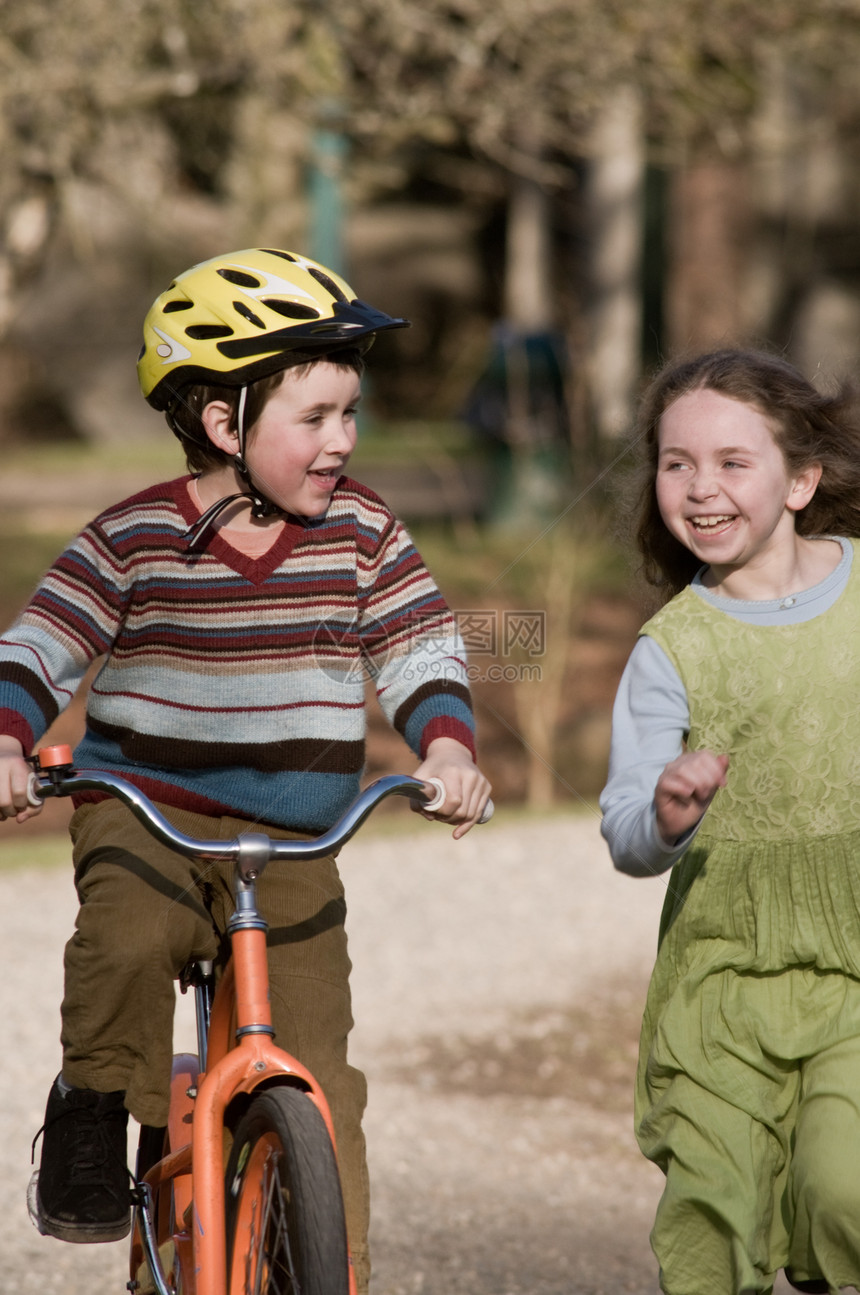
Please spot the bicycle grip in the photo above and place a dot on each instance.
(439, 800)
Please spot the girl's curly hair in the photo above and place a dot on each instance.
(809, 426)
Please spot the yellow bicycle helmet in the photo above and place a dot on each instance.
(236, 318)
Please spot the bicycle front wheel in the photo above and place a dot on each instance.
(285, 1222)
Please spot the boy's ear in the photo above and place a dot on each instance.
(804, 487)
(216, 418)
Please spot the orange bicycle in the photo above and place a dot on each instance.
(240, 1194)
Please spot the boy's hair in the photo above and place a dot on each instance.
(186, 415)
(808, 425)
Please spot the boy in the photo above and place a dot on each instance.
(239, 610)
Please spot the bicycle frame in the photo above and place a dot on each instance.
(238, 1055)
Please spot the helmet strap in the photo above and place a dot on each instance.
(261, 506)
(240, 422)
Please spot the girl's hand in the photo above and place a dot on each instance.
(685, 789)
(15, 776)
(467, 790)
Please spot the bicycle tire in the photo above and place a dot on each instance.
(286, 1233)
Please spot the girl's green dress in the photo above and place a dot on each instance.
(748, 1090)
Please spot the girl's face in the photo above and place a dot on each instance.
(303, 439)
(723, 487)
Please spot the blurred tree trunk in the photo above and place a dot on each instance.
(533, 472)
(528, 292)
(710, 226)
(527, 295)
(614, 198)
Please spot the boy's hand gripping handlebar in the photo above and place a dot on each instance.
(441, 794)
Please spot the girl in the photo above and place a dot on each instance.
(735, 761)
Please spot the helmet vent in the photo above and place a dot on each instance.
(239, 278)
(247, 313)
(171, 306)
(204, 332)
(273, 251)
(325, 282)
(291, 309)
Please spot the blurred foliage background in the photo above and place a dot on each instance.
(558, 193)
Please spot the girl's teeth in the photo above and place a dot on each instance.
(709, 523)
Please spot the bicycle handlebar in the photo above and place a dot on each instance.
(250, 850)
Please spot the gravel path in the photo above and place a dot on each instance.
(497, 988)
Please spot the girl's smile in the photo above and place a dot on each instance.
(725, 492)
(712, 524)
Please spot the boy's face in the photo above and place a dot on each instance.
(302, 441)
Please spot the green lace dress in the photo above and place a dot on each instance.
(748, 1090)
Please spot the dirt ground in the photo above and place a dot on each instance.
(498, 983)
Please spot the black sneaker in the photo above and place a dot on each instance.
(81, 1191)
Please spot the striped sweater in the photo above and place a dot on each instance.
(233, 684)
